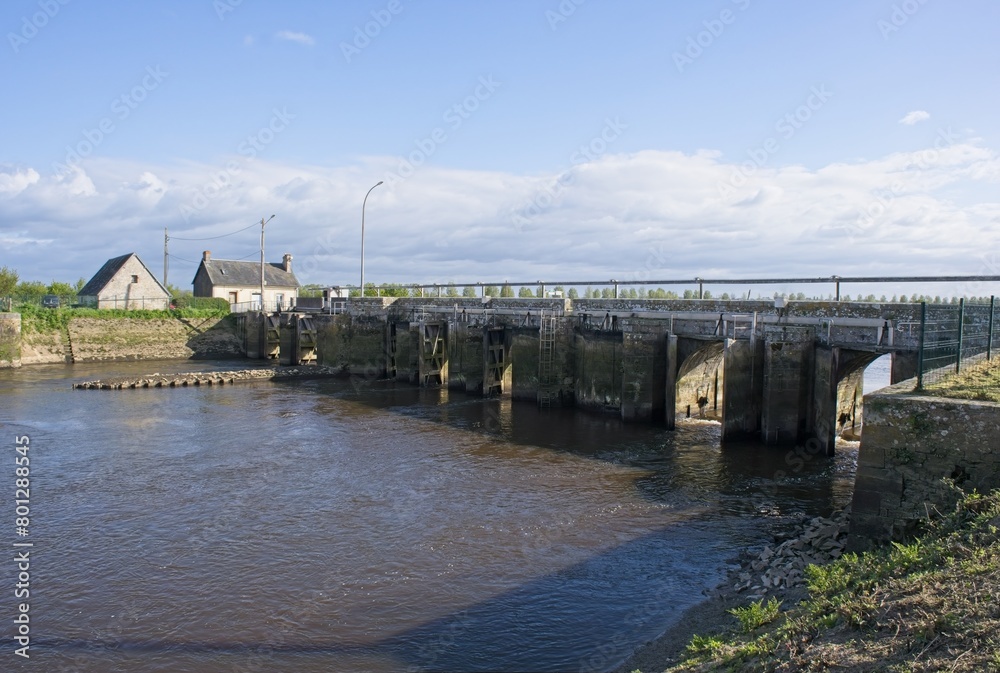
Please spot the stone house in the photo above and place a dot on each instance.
(124, 282)
(239, 282)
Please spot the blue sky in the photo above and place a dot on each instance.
(521, 140)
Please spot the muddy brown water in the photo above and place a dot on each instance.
(325, 526)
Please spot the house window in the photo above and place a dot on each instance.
(135, 279)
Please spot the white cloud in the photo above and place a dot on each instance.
(915, 116)
(14, 183)
(651, 214)
(292, 36)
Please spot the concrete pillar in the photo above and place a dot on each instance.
(391, 349)
(253, 326)
(904, 366)
(287, 355)
(670, 383)
(822, 424)
(788, 386)
(10, 339)
(641, 392)
(742, 386)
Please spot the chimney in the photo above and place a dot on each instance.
(206, 256)
(286, 262)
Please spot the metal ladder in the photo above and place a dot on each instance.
(546, 359)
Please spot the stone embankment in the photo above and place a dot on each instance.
(781, 567)
(184, 380)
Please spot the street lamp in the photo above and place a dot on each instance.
(363, 237)
(262, 223)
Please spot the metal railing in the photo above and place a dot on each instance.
(954, 336)
(75, 301)
(335, 307)
(615, 285)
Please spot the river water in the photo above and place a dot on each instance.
(327, 526)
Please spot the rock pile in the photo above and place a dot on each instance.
(205, 378)
(782, 566)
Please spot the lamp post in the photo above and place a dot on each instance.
(262, 223)
(363, 237)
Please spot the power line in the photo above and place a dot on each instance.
(210, 238)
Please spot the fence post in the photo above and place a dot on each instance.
(920, 352)
(989, 333)
(961, 329)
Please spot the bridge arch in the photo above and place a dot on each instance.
(850, 378)
(699, 386)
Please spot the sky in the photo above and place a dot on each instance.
(518, 140)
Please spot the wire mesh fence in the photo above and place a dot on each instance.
(956, 336)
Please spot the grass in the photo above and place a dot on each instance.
(930, 604)
(38, 319)
(977, 382)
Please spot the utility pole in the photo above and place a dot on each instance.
(165, 239)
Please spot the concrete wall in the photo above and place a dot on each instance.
(912, 443)
(10, 339)
(353, 344)
(597, 375)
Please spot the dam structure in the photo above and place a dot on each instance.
(780, 372)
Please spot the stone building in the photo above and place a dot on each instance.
(239, 282)
(124, 282)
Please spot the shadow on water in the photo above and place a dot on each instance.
(748, 477)
(534, 619)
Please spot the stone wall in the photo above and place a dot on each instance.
(910, 446)
(98, 339)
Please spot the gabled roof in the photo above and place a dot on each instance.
(229, 272)
(108, 271)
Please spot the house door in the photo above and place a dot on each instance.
(279, 299)
(233, 297)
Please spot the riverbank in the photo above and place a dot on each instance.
(776, 571)
(99, 339)
(932, 604)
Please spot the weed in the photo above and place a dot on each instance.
(757, 614)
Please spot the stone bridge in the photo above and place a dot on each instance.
(783, 373)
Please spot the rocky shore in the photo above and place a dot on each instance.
(777, 569)
(183, 380)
